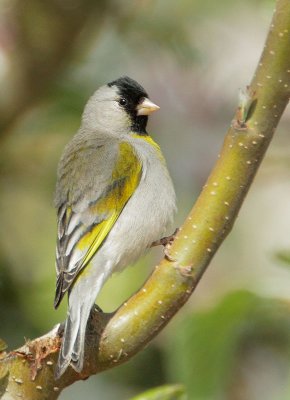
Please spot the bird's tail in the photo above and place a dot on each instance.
(81, 300)
(73, 342)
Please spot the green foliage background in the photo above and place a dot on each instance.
(232, 340)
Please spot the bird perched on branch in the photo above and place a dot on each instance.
(114, 198)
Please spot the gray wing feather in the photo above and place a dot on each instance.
(84, 174)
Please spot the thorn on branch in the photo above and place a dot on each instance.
(185, 271)
(245, 109)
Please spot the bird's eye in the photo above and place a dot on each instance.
(122, 101)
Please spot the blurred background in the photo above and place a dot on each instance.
(232, 340)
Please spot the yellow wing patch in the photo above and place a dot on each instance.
(95, 238)
(125, 179)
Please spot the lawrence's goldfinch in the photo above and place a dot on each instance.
(114, 197)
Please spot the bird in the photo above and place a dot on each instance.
(114, 197)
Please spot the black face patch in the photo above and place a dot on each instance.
(131, 93)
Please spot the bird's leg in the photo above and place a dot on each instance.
(166, 242)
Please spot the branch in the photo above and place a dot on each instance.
(114, 338)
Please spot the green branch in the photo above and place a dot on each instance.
(114, 338)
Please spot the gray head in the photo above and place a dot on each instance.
(121, 106)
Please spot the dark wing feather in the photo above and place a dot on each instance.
(83, 226)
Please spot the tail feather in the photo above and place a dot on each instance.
(77, 356)
(61, 366)
(81, 300)
(77, 359)
(73, 342)
(71, 330)
(70, 334)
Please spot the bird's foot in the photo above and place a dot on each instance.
(166, 242)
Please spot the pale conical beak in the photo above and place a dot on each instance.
(146, 107)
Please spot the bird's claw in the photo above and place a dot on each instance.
(166, 242)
